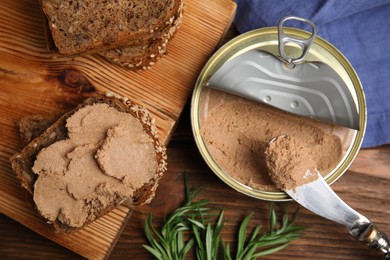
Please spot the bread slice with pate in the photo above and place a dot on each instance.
(91, 26)
(103, 153)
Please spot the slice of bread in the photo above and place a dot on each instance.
(23, 162)
(92, 26)
(137, 57)
(33, 126)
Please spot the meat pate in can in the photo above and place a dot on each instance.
(204, 100)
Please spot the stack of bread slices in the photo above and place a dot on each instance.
(131, 33)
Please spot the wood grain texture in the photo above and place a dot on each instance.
(34, 80)
(323, 240)
(365, 187)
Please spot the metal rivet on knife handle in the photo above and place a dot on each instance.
(304, 44)
(379, 241)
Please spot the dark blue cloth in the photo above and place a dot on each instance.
(360, 29)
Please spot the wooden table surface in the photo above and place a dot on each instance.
(365, 187)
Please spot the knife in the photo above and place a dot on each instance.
(319, 198)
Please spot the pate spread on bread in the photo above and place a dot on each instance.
(95, 157)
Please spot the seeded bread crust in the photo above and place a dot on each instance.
(137, 57)
(23, 161)
(97, 25)
(33, 126)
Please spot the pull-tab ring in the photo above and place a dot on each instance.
(303, 43)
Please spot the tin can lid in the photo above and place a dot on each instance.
(310, 89)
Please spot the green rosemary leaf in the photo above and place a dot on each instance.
(226, 251)
(269, 251)
(198, 239)
(198, 204)
(272, 217)
(186, 248)
(148, 234)
(157, 247)
(285, 220)
(209, 241)
(153, 251)
(216, 234)
(219, 225)
(273, 241)
(255, 233)
(200, 255)
(181, 229)
(294, 228)
(182, 225)
(149, 224)
(248, 252)
(292, 236)
(180, 242)
(191, 194)
(295, 215)
(197, 223)
(242, 235)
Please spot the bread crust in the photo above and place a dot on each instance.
(136, 57)
(93, 26)
(23, 161)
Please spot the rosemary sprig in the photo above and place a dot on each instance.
(269, 242)
(170, 242)
(207, 237)
(195, 224)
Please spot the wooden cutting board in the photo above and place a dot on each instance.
(34, 80)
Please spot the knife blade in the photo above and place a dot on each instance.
(319, 198)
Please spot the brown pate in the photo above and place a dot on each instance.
(237, 131)
(289, 163)
(106, 157)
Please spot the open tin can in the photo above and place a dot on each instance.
(266, 39)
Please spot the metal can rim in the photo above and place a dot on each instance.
(250, 40)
